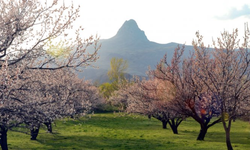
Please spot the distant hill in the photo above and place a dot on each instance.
(131, 44)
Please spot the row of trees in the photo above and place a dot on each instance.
(37, 59)
(213, 82)
(37, 97)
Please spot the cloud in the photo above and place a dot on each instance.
(235, 13)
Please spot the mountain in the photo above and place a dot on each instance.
(131, 44)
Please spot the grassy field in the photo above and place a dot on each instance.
(131, 132)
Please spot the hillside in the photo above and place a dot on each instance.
(131, 44)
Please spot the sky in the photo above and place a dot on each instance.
(165, 21)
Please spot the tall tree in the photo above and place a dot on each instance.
(191, 96)
(226, 72)
(26, 29)
(118, 68)
(116, 75)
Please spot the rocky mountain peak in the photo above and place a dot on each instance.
(130, 30)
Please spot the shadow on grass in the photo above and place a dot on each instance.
(124, 122)
(105, 143)
(236, 137)
(112, 122)
(111, 132)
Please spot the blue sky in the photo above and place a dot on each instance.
(165, 21)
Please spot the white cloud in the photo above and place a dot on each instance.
(236, 13)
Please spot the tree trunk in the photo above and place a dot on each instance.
(228, 141)
(174, 129)
(34, 133)
(3, 139)
(164, 124)
(49, 126)
(227, 130)
(174, 126)
(202, 133)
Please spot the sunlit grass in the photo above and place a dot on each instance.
(130, 132)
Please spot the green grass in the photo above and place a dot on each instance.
(131, 132)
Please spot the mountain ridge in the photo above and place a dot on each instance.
(131, 44)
